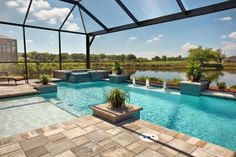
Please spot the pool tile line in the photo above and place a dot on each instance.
(91, 136)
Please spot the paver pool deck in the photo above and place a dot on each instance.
(90, 136)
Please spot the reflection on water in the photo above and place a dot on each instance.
(213, 75)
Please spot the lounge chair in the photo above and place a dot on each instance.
(5, 76)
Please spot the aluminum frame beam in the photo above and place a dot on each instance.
(173, 17)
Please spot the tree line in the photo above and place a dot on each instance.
(200, 54)
(75, 57)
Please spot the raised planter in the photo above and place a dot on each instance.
(116, 115)
(193, 88)
(118, 78)
(50, 88)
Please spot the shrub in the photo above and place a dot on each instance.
(174, 81)
(116, 68)
(221, 85)
(117, 98)
(44, 79)
(194, 72)
(233, 87)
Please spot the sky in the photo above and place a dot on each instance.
(217, 30)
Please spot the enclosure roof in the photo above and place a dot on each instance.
(96, 17)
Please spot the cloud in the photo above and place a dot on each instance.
(71, 26)
(154, 39)
(187, 46)
(227, 18)
(223, 36)
(160, 35)
(229, 45)
(232, 35)
(12, 4)
(29, 41)
(132, 38)
(53, 15)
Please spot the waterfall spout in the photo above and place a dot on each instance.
(134, 81)
(147, 83)
(164, 85)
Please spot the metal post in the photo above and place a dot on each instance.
(25, 56)
(59, 39)
(87, 52)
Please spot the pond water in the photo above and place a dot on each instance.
(228, 77)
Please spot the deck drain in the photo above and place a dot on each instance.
(149, 137)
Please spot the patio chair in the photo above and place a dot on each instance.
(5, 76)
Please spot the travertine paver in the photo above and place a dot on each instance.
(38, 151)
(149, 153)
(124, 139)
(34, 142)
(59, 146)
(98, 136)
(88, 149)
(67, 153)
(117, 151)
(91, 136)
(186, 147)
(136, 147)
(74, 133)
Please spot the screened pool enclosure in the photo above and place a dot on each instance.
(90, 18)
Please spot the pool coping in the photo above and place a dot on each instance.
(78, 128)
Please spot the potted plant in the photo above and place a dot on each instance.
(44, 85)
(117, 75)
(194, 86)
(117, 107)
(194, 72)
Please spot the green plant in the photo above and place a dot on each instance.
(116, 68)
(194, 72)
(221, 85)
(174, 81)
(117, 98)
(44, 79)
(233, 87)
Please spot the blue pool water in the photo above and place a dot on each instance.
(207, 118)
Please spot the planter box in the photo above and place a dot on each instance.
(50, 88)
(118, 78)
(114, 115)
(193, 88)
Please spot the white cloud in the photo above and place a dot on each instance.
(132, 38)
(53, 15)
(227, 18)
(30, 20)
(228, 45)
(160, 35)
(29, 41)
(154, 39)
(223, 37)
(232, 35)
(12, 4)
(71, 26)
(187, 46)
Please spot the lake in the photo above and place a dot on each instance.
(213, 75)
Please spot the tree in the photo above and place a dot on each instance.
(164, 58)
(201, 55)
(219, 56)
(156, 58)
(179, 58)
(131, 57)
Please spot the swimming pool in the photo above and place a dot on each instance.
(207, 118)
